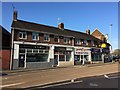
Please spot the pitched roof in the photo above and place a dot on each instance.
(97, 31)
(4, 31)
(50, 29)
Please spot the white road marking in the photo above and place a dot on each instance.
(11, 84)
(93, 84)
(111, 77)
(61, 84)
(106, 76)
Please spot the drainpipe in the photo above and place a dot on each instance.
(12, 51)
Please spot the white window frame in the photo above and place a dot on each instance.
(67, 42)
(58, 39)
(92, 42)
(85, 42)
(22, 35)
(48, 36)
(78, 41)
(36, 36)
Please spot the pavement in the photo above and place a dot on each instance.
(32, 78)
(7, 72)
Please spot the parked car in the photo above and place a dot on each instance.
(116, 58)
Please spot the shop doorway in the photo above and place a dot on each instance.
(55, 60)
(21, 60)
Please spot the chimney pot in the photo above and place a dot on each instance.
(88, 32)
(15, 15)
(61, 26)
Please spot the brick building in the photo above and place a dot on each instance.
(42, 46)
(5, 49)
(104, 41)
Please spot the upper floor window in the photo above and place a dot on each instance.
(35, 36)
(67, 40)
(22, 35)
(56, 38)
(92, 43)
(46, 37)
(88, 42)
(78, 41)
(85, 42)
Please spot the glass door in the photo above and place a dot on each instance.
(21, 60)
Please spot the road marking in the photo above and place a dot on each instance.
(111, 77)
(93, 84)
(106, 76)
(61, 84)
(11, 84)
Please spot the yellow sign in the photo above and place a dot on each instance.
(103, 45)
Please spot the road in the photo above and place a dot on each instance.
(43, 77)
(102, 81)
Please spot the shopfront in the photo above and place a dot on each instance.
(63, 56)
(82, 55)
(96, 54)
(31, 56)
(32, 53)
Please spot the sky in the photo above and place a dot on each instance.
(77, 16)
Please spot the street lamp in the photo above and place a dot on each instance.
(110, 41)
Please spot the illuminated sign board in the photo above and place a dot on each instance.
(103, 45)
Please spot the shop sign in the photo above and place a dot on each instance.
(60, 48)
(95, 50)
(69, 49)
(81, 53)
(81, 50)
(103, 45)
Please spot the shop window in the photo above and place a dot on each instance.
(46, 37)
(22, 50)
(86, 57)
(31, 57)
(77, 57)
(61, 57)
(29, 50)
(55, 52)
(35, 50)
(56, 39)
(22, 35)
(68, 55)
(62, 52)
(35, 36)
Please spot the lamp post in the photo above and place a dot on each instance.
(110, 41)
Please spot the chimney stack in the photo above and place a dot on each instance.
(88, 32)
(61, 26)
(15, 15)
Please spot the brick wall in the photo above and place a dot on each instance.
(5, 59)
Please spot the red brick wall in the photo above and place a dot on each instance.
(5, 59)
